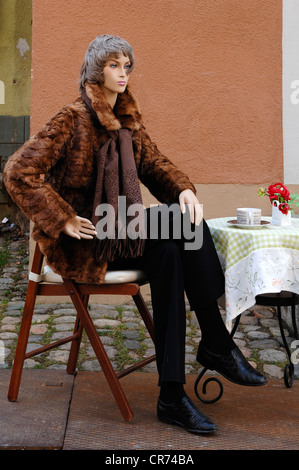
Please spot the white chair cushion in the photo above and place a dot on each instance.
(111, 277)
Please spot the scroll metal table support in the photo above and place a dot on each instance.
(283, 299)
(212, 379)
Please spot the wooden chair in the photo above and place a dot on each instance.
(115, 283)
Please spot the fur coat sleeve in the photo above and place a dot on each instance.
(24, 176)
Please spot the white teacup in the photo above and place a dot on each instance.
(249, 216)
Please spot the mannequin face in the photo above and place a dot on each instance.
(116, 75)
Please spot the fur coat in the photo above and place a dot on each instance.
(52, 176)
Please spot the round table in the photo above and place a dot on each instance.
(256, 261)
(261, 265)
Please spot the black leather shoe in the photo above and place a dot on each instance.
(184, 413)
(233, 366)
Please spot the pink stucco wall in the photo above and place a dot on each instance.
(208, 77)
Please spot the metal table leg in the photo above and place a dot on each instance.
(283, 299)
(289, 370)
(212, 379)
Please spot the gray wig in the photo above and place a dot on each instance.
(97, 54)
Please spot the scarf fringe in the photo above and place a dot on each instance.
(110, 250)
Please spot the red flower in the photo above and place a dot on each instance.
(277, 190)
(273, 197)
(284, 208)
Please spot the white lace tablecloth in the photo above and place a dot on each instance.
(256, 261)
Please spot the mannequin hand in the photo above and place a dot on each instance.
(188, 197)
(78, 227)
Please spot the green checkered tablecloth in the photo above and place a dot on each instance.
(256, 261)
(235, 243)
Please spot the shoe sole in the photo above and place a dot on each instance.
(228, 378)
(177, 423)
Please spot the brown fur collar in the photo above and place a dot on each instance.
(125, 113)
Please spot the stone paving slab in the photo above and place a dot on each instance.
(38, 419)
(56, 411)
(248, 418)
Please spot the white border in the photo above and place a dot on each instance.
(290, 85)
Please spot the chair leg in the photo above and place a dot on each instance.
(75, 347)
(22, 342)
(99, 350)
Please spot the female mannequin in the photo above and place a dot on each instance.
(90, 153)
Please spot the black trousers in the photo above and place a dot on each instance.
(173, 269)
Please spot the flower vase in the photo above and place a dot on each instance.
(278, 218)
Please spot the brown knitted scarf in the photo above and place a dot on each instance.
(119, 224)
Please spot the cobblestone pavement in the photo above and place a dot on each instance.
(120, 327)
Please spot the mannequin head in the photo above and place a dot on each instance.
(99, 51)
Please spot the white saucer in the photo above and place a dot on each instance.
(234, 223)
